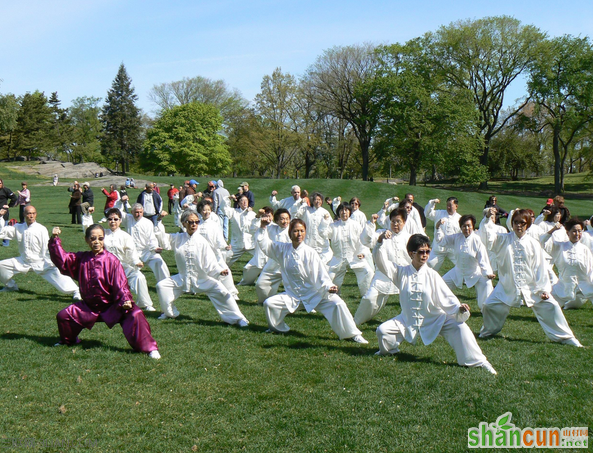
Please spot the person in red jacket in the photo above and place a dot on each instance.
(171, 193)
(112, 197)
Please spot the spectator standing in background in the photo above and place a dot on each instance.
(151, 202)
(88, 198)
(171, 194)
(74, 205)
(248, 193)
(219, 199)
(24, 200)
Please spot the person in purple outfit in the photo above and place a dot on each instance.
(105, 293)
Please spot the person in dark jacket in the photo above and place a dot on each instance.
(420, 209)
(88, 198)
(7, 199)
(151, 202)
(491, 203)
(74, 205)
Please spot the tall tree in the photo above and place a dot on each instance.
(186, 139)
(33, 126)
(277, 110)
(342, 82)
(424, 125)
(485, 56)
(561, 86)
(86, 128)
(60, 130)
(121, 139)
(9, 111)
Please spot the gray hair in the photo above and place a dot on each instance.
(137, 206)
(295, 187)
(186, 214)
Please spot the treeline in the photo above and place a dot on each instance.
(427, 109)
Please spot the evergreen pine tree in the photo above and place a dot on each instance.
(122, 126)
(60, 131)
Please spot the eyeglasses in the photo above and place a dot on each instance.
(95, 238)
(422, 252)
(192, 222)
(114, 219)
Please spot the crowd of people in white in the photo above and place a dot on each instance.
(308, 249)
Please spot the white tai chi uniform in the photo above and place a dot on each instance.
(438, 253)
(285, 203)
(270, 278)
(472, 264)
(257, 262)
(34, 253)
(361, 218)
(313, 218)
(381, 286)
(575, 267)
(305, 282)
(199, 272)
(143, 234)
(211, 229)
(429, 309)
(241, 231)
(522, 276)
(346, 245)
(122, 245)
(413, 221)
(484, 238)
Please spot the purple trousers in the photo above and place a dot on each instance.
(72, 319)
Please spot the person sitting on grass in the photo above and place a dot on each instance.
(105, 293)
(306, 282)
(429, 308)
(32, 238)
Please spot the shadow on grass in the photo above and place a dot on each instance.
(347, 347)
(511, 339)
(51, 341)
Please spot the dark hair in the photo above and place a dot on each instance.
(353, 199)
(416, 241)
(315, 194)
(465, 218)
(491, 200)
(553, 211)
(521, 214)
(573, 222)
(242, 196)
(399, 212)
(202, 204)
(268, 210)
(294, 223)
(91, 228)
(453, 199)
(343, 206)
(279, 212)
(113, 211)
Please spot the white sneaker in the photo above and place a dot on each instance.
(154, 355)
(59, 344)
(489, 368)
(163, 316)
(9, 289)
(359, 339)
(151, 308)
(572, 342)
(243, 323)
(77, 296)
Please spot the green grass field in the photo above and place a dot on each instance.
(219, 388)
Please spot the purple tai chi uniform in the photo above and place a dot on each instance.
(104, 288)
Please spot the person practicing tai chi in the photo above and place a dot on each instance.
(472, 265)
(438, 254)
(122, 246)
(396, 241)
(522, 276)
(429, 308)
(314, 216)
(105, 294)
(241, 220)
(574, 261)
(305, 282)
(199, 272)
(286, 203)
(32, 238)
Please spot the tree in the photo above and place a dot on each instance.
(9, 111)
(425, 125)
(86, 128)
(485, 56)
(277, 111)
(228, 101)
(560, 84)
(342, 84)
(60, 129)
(121, 139)
(31, 136)
(186, 139)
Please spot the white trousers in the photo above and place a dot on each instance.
(370, 305)
(250, 275)
(158, 266)
(138, 286)
(483, 287)
(548, 313)
(333, 308)
(364, 274)
(458, 335)
(238, 253)
(13, 266)
(171, 288)
(267, 284)
(437, 258)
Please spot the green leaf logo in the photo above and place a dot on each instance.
(503, 422)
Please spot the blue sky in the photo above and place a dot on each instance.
(75, 47)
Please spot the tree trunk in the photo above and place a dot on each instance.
(413, 174)
(364, 150)
(557, 160)
(484, 161)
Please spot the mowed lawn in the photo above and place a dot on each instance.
(219, 388)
